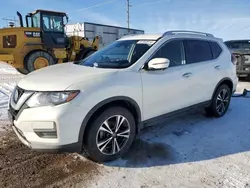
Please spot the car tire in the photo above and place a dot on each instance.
(116, 143)
(220, 101)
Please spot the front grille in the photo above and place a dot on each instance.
(13, 111)
(16, 113)
(18, 92)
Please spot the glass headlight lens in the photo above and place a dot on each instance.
(51, 98)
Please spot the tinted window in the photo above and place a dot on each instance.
(119, 54)
(216, 49)
(172, 51)
(197, 51)
(241, 44)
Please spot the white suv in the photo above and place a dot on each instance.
(100, 103)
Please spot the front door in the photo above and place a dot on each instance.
(167, 90)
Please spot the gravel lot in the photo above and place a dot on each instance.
(188, 151)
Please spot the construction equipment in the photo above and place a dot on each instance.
(43, 42)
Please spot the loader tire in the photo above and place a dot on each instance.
(37, 60)
(22, 71)
(89, 53)
(85, 53)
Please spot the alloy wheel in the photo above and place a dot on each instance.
(222, 101)
(113, 135)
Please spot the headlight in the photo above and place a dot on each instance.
(51, 98)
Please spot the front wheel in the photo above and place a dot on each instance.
(220, 101)
(110, 135)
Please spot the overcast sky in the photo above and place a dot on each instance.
(228, 19)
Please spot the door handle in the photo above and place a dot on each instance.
(217, 67)
(188, 74)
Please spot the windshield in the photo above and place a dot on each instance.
(36, 20)
(238, 45)
(120, 54)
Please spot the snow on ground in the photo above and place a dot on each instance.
(188, 151)
(8, 79)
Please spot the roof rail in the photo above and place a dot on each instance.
(174, 32)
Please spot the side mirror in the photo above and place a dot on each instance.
(158, 64)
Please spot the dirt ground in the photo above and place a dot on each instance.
(20, 167)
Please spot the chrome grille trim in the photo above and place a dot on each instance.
(21, 100)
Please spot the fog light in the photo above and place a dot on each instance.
(47, 134)
(45, 129)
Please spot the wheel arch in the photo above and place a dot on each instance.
(123, 101)
(227, 81)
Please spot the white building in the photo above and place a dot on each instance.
(107, 33)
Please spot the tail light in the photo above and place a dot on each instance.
(233, 59)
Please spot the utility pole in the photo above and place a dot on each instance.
(128, 14)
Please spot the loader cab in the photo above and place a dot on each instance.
(52, 26)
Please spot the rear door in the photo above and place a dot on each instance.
(204, 69)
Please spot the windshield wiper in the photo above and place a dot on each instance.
(108, 65)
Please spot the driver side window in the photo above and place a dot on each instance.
(171, 50)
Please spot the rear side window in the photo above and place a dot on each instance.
(216, 49)
(197, 51)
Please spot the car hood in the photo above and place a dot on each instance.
(61, 76)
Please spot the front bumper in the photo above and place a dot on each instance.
(74, 147)
(67, 118)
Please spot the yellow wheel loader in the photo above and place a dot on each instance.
(42, 42)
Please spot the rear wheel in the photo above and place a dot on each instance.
(110, 135)
(220, 101)
(38, 59)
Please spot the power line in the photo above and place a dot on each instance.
(97, 5)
